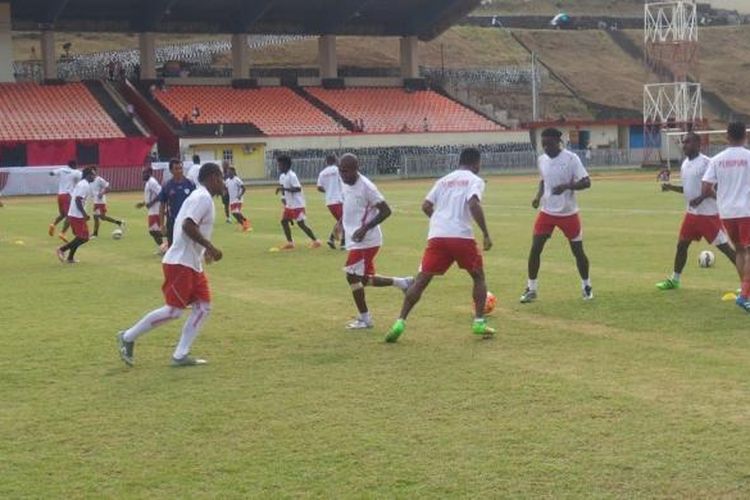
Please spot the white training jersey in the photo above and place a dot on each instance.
(192, 173)
(82, 190)
(562, 169)
(150, 192)
(730, 170)
(234, 187)
(359, 209)
(68, 178)
(98, 187)
(450, 197)
(330, 180)
(691, 175)
(199, 207)
(290, 180)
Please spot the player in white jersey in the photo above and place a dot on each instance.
(562, 175)
(151, 203)
(235, 188)
(294, 204)
(185, 283)
(364, 210)
(702, 217)
(99, 190)
(329, 183)
(77, 217)
(728, 174)
(453, 202)
(68, 177)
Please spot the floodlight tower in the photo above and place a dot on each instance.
(671, 50)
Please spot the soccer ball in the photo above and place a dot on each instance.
(706, 259)
(490, 303)
(117, 234)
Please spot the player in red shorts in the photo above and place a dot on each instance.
(329, 183)
(702, 217)
(451, 205)
(185, 283)
(730, 171)
(151, 203)
(235, 189)
(99, 190)
(77, 217)
(68, 178)
(294, 204)
(364, 210)
(562, 175)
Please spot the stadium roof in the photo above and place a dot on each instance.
(423, 18)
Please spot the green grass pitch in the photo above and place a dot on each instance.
(639, 393)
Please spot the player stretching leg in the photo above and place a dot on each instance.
(77, 217)
(294, 204)
(702, 217)
(236, 190)
(151, 202)
(562, 175)
(185, 283)
(99, 190)
(728, 175)
(452, 203)
(364, 210)
(329, 183)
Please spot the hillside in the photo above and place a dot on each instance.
(573, 7)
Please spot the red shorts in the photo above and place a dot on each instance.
(441, 253)
(184, 285)
(296, 214)
(63, 204)
(337, 210)
(154, 223)
(694, 227)
(361, 262)
(570, 225)
(100, 209)
(738, 231)
(235, 208)
(79, 227)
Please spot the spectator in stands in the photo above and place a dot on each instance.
(404, 128)
(131, 111)
(196, 113)
(425, 125)
(152, 91)
(185, 120)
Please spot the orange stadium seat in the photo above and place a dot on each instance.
(274, 110)
(390, 109)
(33, 112)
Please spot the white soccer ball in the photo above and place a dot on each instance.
(706, 259)
(117, 234)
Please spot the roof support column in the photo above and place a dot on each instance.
(240, 56)
(6, 45)
(329, 65)
(49, 59)
(147, 45)
(409, 57)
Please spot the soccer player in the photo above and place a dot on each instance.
(364, 210)
(151, 202)
(99, 190)
(451, 205)
(77, 217)
(225, 195)
(236, 190)
(702, 217)
(562, 175)
(728, 175)
(68, 178)
(171, 197)
(329, 183)
(185, 283)
(294, 204)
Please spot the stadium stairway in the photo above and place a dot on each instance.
(336, 116)
(115, 111)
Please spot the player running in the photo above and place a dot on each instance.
(99, 190)
(225, 195)
(329, 183)
(451, 205)
(77, 217)
(68, 178)
(294, 204)
(562, 175)
(363, 211)
(702, 217)
(728, 175)
(185, 283)
(236, 190)
(151, 191)
(172, 195)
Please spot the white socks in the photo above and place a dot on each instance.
(192, 326)
(152, 320)
(676, 276)
(400, 283)
(585, 283)
(533, 285)
(365, 317)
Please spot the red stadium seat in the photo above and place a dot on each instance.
(47, 112)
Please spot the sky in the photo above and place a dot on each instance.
(740, 5)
